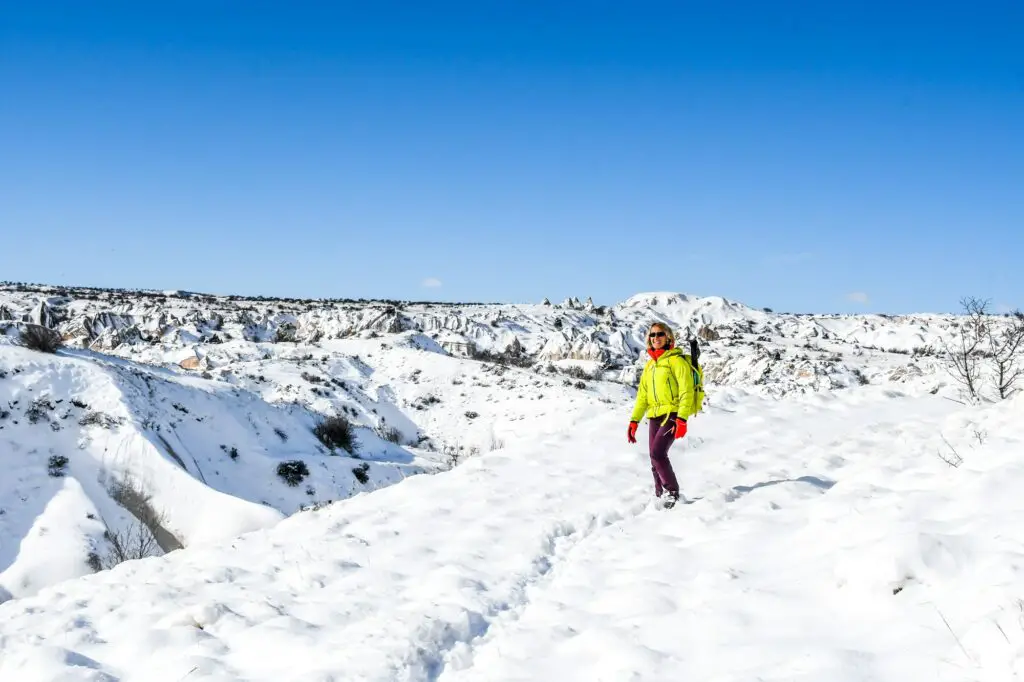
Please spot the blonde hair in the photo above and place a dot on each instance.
(669, 334)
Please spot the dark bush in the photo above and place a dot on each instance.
(335, 433)
(506, 359)
(576, 372)
(281, 434)
(57, 465)
(293, 472)
(39, 411)
(100, 419)
(39, 338)
(361, 473)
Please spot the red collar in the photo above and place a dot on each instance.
(657, 353)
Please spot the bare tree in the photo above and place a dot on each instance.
(1005, 348)
(132, 542)
(144, 536)
(964, 353)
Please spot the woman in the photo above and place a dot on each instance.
(666, 396)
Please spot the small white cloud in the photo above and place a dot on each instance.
(431, 283)
(857, 297)
(789, 258)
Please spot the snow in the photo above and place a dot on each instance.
(825, 534)
(203, 454)
(547, 560)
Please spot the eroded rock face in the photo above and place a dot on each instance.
(708, 333)
(191, 363)
(740, 345)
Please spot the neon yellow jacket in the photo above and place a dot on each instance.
(666, 385)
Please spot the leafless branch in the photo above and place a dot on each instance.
(1005, 349)
(955, 460)
(963, 352)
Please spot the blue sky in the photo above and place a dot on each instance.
(803, 156)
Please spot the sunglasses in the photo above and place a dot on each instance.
(657, 335)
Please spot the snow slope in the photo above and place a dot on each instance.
(826, 539)
(204, 451)
(202, 454)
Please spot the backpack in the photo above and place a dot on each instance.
(698, 376)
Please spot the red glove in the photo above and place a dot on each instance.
(631, 435)
(680, 427)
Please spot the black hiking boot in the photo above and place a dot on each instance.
(671, 497)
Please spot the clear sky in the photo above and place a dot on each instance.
(813, 156)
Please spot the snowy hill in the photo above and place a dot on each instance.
(181, 420)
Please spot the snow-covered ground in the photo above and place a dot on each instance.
(828, 537)
(826, 540)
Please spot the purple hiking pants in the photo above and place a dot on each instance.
(660, 440)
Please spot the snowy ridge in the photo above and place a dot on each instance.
(780, 352)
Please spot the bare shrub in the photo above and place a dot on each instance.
(1005, 347)
(452, 455)
(316, 505)
(962, 354)
(138, 539)
(38, 338)
(953, 458)
(335, 433)
(456, 453)
(980, 338)
(135, 541)
(390, 434)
